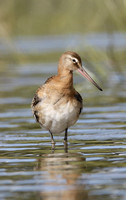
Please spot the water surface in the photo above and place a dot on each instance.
(92, 166)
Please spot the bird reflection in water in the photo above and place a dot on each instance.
(62, 177)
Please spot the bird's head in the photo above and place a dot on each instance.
(71, 61)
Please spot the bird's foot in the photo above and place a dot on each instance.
(65, 140)
(53, 142)
(53, 145)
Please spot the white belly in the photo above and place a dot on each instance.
(57, 119)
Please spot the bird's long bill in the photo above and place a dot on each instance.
(86, 75)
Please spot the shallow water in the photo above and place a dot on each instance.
(92, 166)
(42, 44)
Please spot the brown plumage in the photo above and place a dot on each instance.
(56, 104)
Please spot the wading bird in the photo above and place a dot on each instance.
(56, 104)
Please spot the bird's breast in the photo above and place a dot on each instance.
(59, 115)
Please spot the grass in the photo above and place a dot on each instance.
(61, 17)
(54, 17)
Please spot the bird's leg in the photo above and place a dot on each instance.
(65, 147)
(52, 140)
(65, 138)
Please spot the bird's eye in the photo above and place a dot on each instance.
(74, 60)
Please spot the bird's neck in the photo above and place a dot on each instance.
(66, 78)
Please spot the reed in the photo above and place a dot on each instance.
(55, 17)
(62, 17)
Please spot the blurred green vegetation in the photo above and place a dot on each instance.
(55, 17)
(31, 17)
